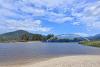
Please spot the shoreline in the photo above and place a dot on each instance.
(66, 61)
(23, 42)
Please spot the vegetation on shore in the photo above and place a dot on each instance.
(23, 36)
(91, 43)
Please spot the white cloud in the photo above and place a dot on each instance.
(58, 17)
(24, 13)
(29, 25)
(64, 19)
(29, 8)
(89, 15)
(14, 16)
(50, 3)
(76, 23)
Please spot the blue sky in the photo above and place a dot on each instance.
(51, 16)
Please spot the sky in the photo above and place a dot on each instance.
(51, 16)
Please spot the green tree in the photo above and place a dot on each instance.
(49, 36)
(25, 37)
(37, 37)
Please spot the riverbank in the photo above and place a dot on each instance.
(67, 61)
(23, 42)
(91, 43)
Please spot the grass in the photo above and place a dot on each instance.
(91, 43)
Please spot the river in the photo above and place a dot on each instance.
(12, 53)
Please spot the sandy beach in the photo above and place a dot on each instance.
(67, 61)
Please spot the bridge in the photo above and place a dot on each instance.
(68, 36)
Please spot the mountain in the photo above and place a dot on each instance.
(96, 37)
(21, 35)
(15, 35)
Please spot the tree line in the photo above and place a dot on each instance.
(36, 37)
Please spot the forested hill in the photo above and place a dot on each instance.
(18, 35)
(21, 35)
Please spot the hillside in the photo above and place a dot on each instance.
(21, 35)
(96, 37)
(15, 35)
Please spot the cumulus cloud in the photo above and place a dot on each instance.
(36, 8)
(30, 14)
(58, 18)
(76, 23)
(17, 16)
(29, 25)
(89, 15)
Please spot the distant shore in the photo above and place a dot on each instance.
(91, 43)
(23, 42)
(67, 61)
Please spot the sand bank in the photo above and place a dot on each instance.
(67, 61)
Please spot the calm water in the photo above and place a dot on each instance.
(24, 52)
